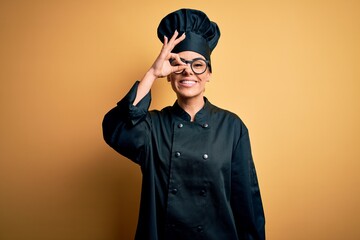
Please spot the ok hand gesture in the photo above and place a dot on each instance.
(162, 67)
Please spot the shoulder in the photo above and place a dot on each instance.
(219, 112)
(227, 117)
(158, 115)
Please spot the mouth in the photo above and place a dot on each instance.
(187, 83)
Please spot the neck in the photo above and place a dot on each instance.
(191, 106)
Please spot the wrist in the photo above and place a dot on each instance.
(150, 74)
(149, 78)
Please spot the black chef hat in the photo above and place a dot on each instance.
(202, 34)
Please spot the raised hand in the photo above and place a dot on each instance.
(162, 67)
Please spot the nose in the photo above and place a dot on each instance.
(188, 69)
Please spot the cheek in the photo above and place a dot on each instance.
(206, 77)
(172, 77)
(171, 81)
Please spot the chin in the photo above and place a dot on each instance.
(189, 95)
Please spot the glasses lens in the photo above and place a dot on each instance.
(199, 66)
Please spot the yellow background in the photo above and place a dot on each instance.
(289, 69)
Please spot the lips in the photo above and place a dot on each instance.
(187, 83)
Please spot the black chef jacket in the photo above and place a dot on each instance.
(199, 179)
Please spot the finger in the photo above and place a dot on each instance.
(174, 36)
(168, 45)
(176, 58)
(165, 40)
(178, 68)
(181, 38)
(164, 43)
(165, 49)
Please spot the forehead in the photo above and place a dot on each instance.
(188, 55)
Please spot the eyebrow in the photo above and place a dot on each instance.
(197, 58)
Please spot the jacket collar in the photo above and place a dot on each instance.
(201, 117)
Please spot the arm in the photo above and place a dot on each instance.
(245, 193)
(161, 67)
(126, 128)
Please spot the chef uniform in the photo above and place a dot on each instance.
(199, 179)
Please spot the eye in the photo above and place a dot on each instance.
(198, 64)
(174, 62)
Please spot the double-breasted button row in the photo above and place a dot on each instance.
(204, 156)
(171, 225)
(205, 125)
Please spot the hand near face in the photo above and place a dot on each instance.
(161, 67)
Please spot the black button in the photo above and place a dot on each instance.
(199, 228)
(180, 125)
(174, 191)
(205, 125)
(205, 156)
(177, 154)
(203, 192)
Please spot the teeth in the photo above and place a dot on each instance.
(187, 81)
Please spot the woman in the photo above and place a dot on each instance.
(199, 179)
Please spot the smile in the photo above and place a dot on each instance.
(187, 83)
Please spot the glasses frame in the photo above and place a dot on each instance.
(191, 64)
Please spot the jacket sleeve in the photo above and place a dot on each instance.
(126, 127)
(245, 194)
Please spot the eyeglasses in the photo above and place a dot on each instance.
(198, 65)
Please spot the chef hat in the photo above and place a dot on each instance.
(202, 34)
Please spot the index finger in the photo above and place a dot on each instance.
(181, 38)
(174, 40)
